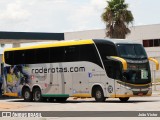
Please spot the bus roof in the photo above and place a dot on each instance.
(73, 42)
(54, 44)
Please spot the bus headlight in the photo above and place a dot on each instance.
(128, 88)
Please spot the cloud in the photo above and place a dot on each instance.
(98, 4)
(51, 15)
(15, 12)
(86, 16)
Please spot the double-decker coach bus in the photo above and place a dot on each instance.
(96, 68)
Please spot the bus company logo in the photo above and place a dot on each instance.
(110, 89)
(58, 70)
(74, 91)
(90, 75)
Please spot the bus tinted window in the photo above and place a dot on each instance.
(8, 55)
(131, 51)
(89, 53)
(57, 54)
(42, 55)
(30, 56)
(19, 57)
(71, 53)
(106, 50)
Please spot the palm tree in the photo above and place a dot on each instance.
(117, 19)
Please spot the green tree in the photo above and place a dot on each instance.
(117, 19)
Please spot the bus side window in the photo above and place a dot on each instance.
(9, 57)
(19, 57)
(30, 56)
(71, 53)
(106, 50)
(57, 54)
(89, 53)
(42, 55)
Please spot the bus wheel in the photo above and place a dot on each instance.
(37, 96)
(61, 99)
(99, 96)
(124, 99)
(27, 95)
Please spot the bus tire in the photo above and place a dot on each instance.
(27, 95)
(124, 99)
(61, 99)
(37, 96)
(99, 95)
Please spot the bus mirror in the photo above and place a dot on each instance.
(155, 61)
(2, 69)
(123, 61)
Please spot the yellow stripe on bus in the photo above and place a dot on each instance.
(155, 61)
(123, 61)
(55, 44)
(121, 95)
(11, 94)
(81, 95)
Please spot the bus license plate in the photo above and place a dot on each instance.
(140, 94)
(144, 74)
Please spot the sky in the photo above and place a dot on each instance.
(68, 15)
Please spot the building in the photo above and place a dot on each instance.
(16, 38)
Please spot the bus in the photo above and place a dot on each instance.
(98, 68)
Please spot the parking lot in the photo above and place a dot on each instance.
(134, 104)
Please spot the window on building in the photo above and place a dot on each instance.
(146, 43)
(151, 43)
(156, 42)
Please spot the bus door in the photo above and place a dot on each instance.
(64, 79)
(113, 70)
(51, 82)
(80, 81)
(80, 84)
(55, 84)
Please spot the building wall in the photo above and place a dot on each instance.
(88, 34)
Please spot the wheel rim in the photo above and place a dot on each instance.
(27, 95)
(98, 94)
(37, 95)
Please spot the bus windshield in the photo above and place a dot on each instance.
(131, 51)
